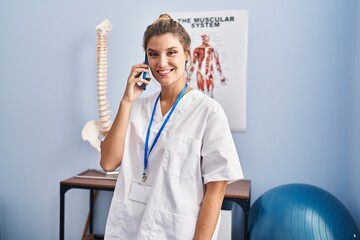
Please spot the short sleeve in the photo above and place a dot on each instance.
(220, 161)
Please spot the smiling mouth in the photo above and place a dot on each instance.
(164, 72)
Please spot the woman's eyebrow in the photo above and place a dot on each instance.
(170, 48)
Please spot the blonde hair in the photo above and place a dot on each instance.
(165, 24)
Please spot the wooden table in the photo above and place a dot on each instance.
(238, 192)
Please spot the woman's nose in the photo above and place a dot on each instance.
(163, 61)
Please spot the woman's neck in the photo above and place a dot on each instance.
(169, 94)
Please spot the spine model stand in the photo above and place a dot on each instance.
(93, 130)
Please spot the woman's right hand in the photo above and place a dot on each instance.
(133, 87)
(112, 148)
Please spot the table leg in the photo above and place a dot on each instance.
(63, 190)
(91, 212)
(246, 224)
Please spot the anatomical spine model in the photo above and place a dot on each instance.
(94, 130)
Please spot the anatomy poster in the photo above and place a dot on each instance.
(219, 58)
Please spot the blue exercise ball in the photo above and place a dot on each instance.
(300, 212)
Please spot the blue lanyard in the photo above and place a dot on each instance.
(147, 152)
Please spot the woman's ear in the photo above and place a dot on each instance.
(187, 65)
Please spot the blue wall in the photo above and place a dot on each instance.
(303, 99)
(354, 156)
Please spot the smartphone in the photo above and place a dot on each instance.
(145, 75)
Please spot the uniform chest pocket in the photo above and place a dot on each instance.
(182, 156)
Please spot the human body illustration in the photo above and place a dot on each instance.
(174, 149)
(204, 59)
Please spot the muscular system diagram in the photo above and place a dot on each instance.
(203, 60)
(94, 130)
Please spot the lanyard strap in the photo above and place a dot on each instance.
(147, 152)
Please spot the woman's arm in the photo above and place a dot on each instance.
(210, 210)
(112, 148)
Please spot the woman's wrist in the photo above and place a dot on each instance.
(126, 103)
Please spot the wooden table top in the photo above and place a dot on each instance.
(98, 179)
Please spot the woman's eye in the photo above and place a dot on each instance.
(153, 54)
(172, 53)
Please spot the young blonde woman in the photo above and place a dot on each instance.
(174, 148)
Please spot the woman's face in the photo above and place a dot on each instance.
(167, 58)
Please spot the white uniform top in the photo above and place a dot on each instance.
(195, 147)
